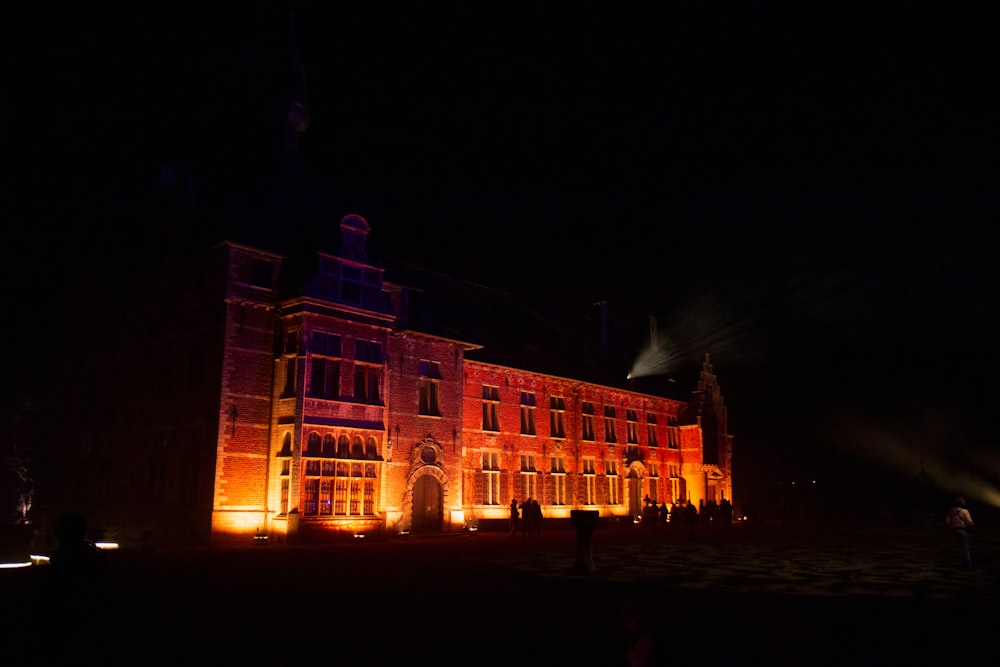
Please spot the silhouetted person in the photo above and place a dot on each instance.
(536, 518)
(76, 561)
(664, 515)
(514, 516)
(691, 513)
(649, 513)
(725, 513)
(525, 522)
(711, 510)
(960, 521)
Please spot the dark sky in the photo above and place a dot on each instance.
(807, 195)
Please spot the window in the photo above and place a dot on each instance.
(260, 273)
(369, 497)
(368, 351)
(654, 481)
(283, 509)
(612, 471)
(557, 417)
(558, 470)
(326, 496)
(325, 344)
(491, 473)
(632, 426)
(367, 371)
(491, 408)
(312, 496)
(527, 413)
(673, 433)
(651, 430)
(291, 342)
(587, 428)
(430, 387)
(343, 447)
(313, 445)
(529, 476)
(675, 483)
(350, 284)
(324, 376)
(371, 449)
(609, 424)
(289, 353)
(589, 477)
(346, 489)
(340, 496)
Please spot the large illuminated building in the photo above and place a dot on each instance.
(223, 391)
(222, 399)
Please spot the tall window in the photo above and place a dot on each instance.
(367, 371)
(491, 474)
(527, 413)
(651, 430)
(675, 483)
(491, 408)
(340, 496)
(587, 427)
(350, 284)
(632, 427)
(369, 490)
(529, 476)
(430, 387)
(324, 375)
(612, 470)
(609, 424)
(654, 481)
(326, 496)
(557, 417)
(289, 355)
(312, 496)
(673, 433)
(558, 469)
(589, 477)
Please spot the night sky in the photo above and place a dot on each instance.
(808, 196)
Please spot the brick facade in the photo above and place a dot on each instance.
(318, 411)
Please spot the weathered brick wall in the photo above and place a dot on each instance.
(407, 427)
(510, 443)
(247, 385)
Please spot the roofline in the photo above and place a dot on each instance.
(406, 333)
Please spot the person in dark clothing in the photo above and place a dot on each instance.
(514, 516)
(76, 561)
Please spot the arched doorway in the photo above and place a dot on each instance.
(634, 494)
(427, 504)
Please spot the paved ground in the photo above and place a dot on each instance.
(779, 595)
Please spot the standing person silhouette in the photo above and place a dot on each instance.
(959, 520)
(514, 516)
